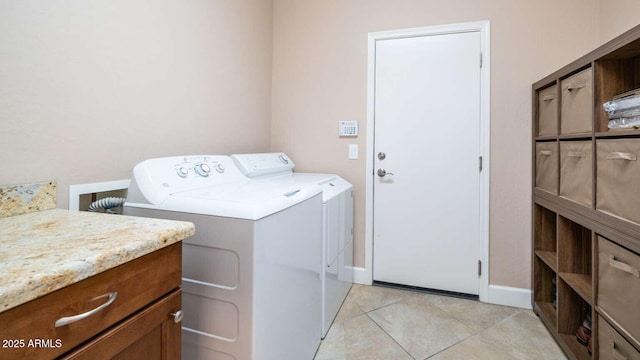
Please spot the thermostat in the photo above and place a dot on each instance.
(348, 128)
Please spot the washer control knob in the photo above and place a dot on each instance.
(182, 171)
(202, 169)
(219, 168)
(283, 159)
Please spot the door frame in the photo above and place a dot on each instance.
(483, 27)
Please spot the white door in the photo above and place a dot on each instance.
(426, 211)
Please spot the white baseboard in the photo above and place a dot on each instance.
(509, 296)
(499, 295)
(360, 276)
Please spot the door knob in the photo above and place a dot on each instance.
(382, 155)
(383, 173)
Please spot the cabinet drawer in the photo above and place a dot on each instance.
(577, 104)
(619, 285)
(547, 166)
(137, 283)
(618, 177)
(611, 345)
(150, 334)
(575, 171)
(548, 111)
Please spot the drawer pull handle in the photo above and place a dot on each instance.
(576, 86)
(623, 267)
(577, 154)
(70, 319)
(622, 156)
(548, 98)
(545, 153)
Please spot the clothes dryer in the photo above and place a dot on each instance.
(337, 222)
(251, 282)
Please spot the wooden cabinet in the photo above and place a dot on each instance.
(586, 204)
(128, 310)
(149, 334)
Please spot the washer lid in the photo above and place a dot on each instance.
(247, 192)
(209, 185)
(248, 200)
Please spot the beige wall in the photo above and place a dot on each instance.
(319, 78)
(616, 17)
(90, 88)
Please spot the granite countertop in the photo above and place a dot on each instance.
(43, 251)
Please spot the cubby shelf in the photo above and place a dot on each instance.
(547, 312)
(586, 207)
(616, 134)
(581, 284)
(548, 257)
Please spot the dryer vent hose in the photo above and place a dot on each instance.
(107, 203)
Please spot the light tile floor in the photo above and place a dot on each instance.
(388, 324)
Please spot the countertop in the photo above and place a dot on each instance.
(43, 251)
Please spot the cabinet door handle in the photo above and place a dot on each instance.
(623, 267)
(616, 155)
(548, 98)
(177, 316)
(545, 152)
(70, 319)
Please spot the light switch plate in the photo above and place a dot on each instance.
(353, 151)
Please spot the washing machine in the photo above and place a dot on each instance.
(251, 282)
(337, 222)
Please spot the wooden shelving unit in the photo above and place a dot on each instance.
(573, 211)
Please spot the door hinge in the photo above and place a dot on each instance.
(479, 268)
(480, 163)
(480, 59)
